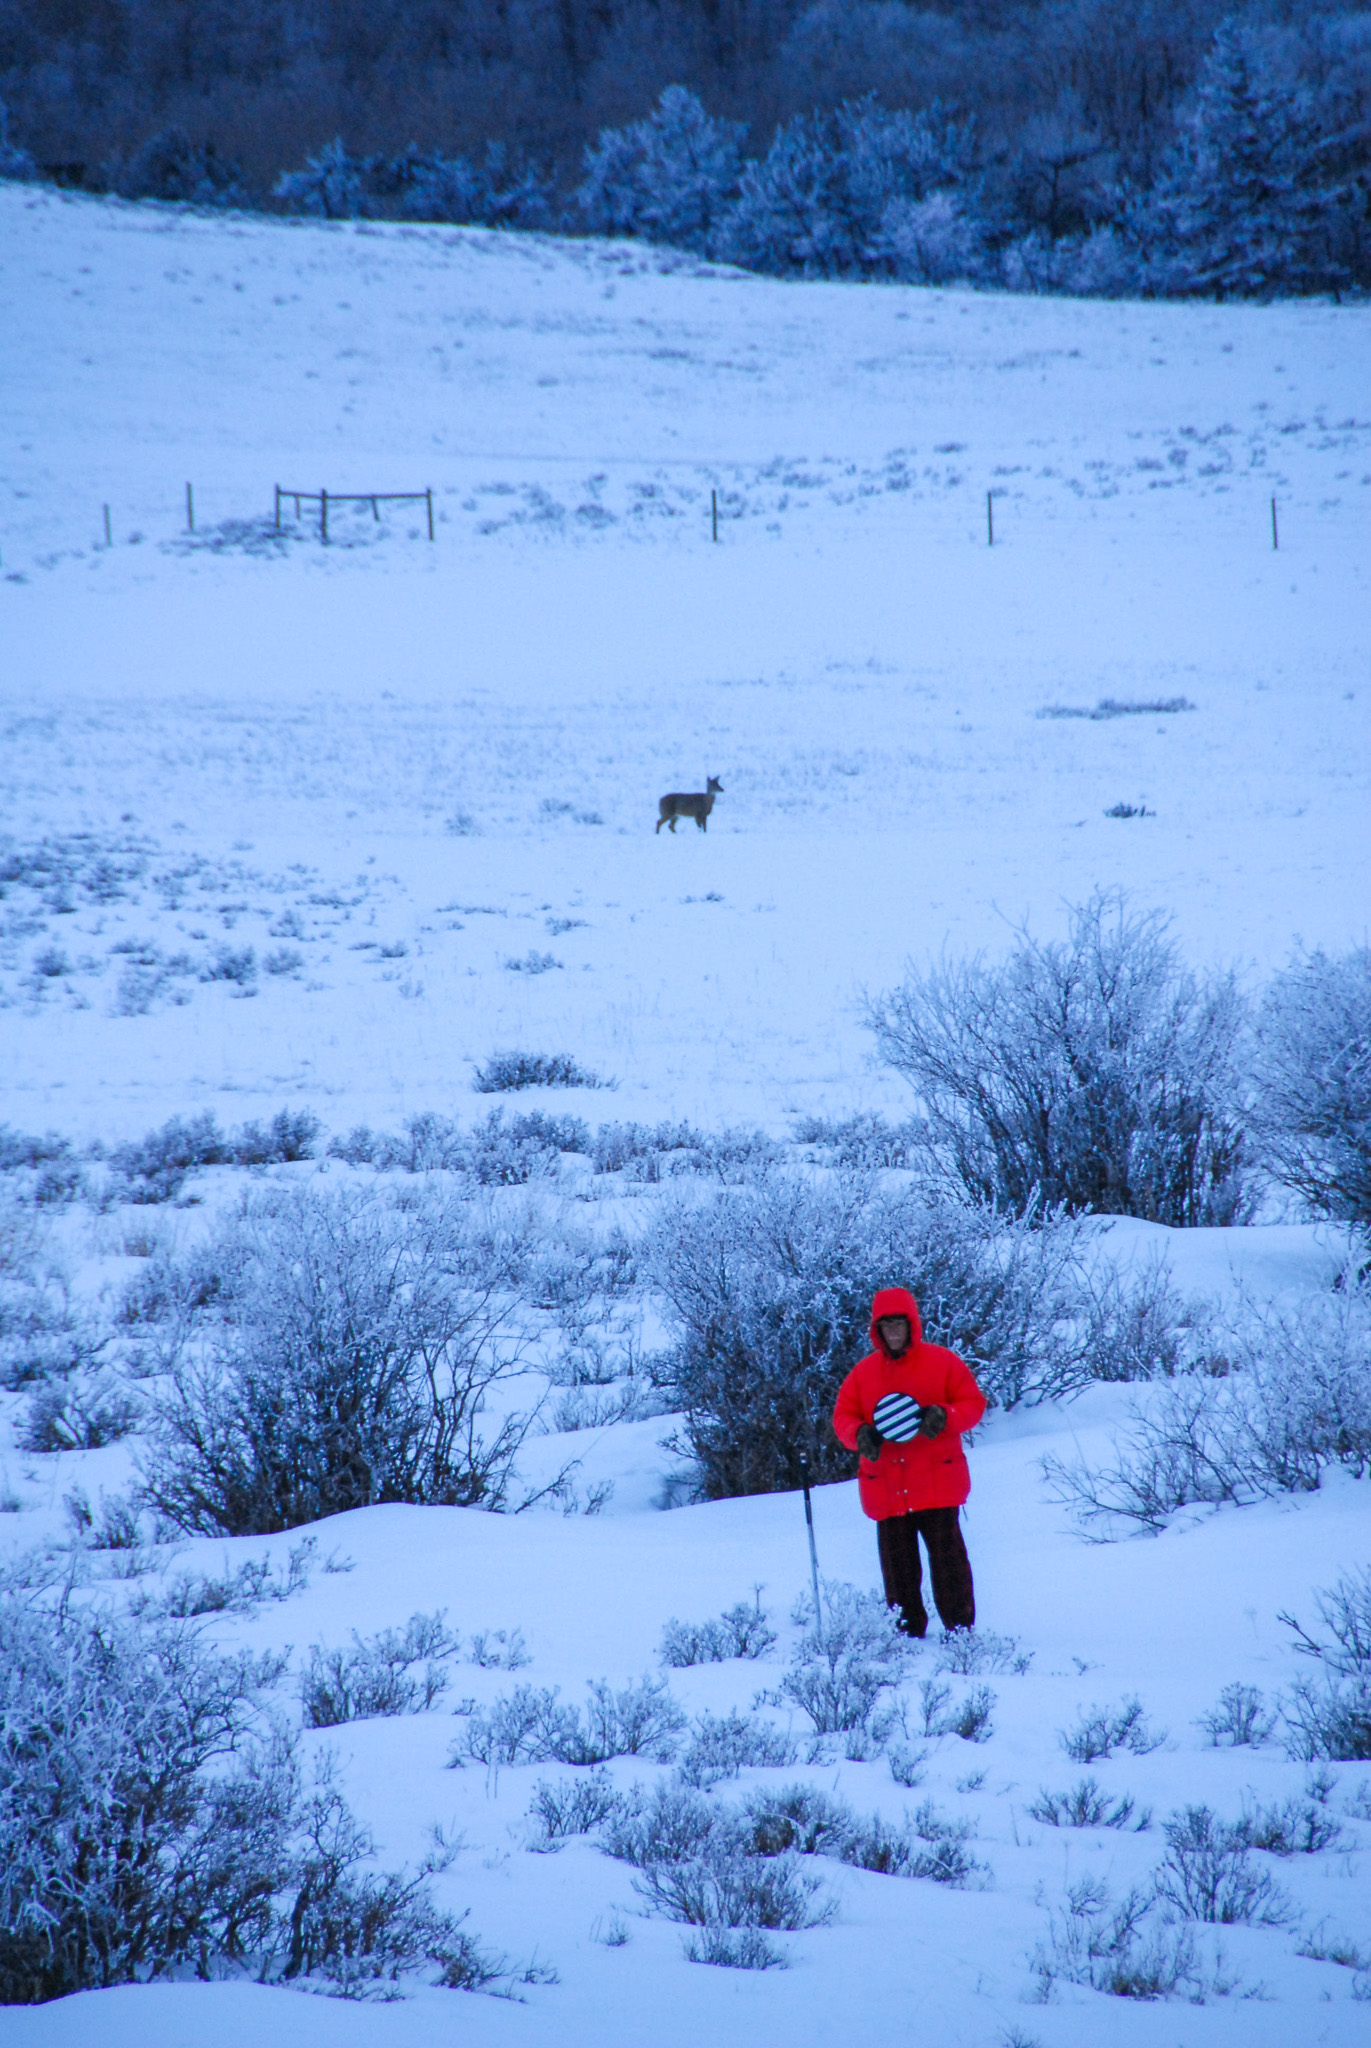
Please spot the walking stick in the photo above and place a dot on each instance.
(813, 1553)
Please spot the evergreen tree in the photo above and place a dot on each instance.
(668, 178)
(1248, 202)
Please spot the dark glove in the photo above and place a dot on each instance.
(933, 1421)
(869, 1441)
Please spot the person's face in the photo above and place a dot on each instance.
(894, 1334)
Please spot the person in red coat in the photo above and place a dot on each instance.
(913, 1488)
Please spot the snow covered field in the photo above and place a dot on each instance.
(422, 781)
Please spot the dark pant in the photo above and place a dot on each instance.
(948, 1564)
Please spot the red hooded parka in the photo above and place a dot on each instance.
(930, 1472)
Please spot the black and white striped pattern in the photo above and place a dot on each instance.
(897, 1416)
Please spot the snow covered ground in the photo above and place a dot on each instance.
(413, 775)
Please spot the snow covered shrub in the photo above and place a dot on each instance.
(290, 1136)
(1105, 1729)
(802, 1820)
(500, 1154)
(968, 1717)
(1294, 1399)
(156, 1168)
(735, 1948)
(1094, 1075)
(838, 1672)
(170, 166)
(505, 1071)
(531, 1725)
(239, 1589)
(640, 1151)
(1240, 1717)
(857, 190)
(721, 1746)
(237, 964)
(398, 1671)
(669, 178)
(152, 1824)
(1297, 1827)
(1332, 1719)
(1314, 1082)
(355, 1350)
(1120, 1949)
(574, 1806)
(725, 1887)
(863, 1140)
(1088, 1805)
(500, 190)
(1331, 1716)
(1208, 1873)
(499, 1649)
(796, 1817)
(971, 1651)
(741, 1631)
(77, 1415)
(332, 184)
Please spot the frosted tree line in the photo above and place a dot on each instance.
(1086, 148)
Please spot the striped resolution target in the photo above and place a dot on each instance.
(898, 1416)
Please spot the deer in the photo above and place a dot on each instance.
(696, 806)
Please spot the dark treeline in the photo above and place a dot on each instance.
(1053, 119)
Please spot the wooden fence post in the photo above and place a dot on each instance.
(428, 494)
(108, 541)
(277, 489)
(190, 510)
(323, 516)
(714, 513)
(1275, 530)
(990, 519)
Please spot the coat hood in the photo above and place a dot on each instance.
(896, 1301)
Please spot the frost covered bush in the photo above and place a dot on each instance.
(1124, 1949)
(77, 1415)
(768, 1290)
(669, 178)
(1241, 1717)
(506, 1071)
(356, 1348)
(155, 1168)
(1208, 1873)
(1314, 1082)
(1088, 1805)
(531, 1725)
(501, 189)
(501, 1154)
(171, 166)
(1331, 1716)
(839, 1670)
(741, 1631)
(152, 1824)
(721, 1746)
(574, 1806)
(1295, 1399)
(1095, 1075)
(398, 1671)
(1104, 1729)
(968, 1717)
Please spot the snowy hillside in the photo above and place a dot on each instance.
(323, 829)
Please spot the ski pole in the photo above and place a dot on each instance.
(813, 1552)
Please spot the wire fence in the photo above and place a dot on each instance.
(324, 499)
